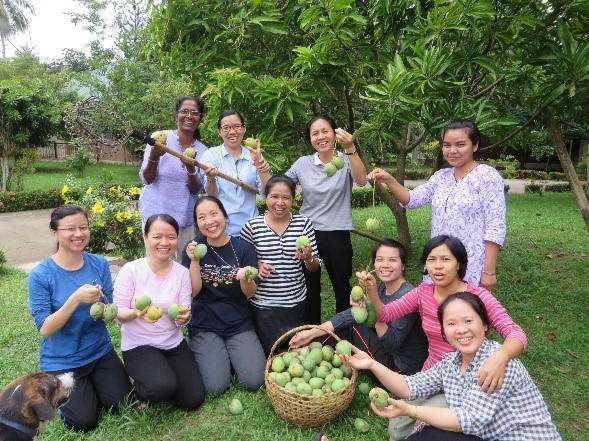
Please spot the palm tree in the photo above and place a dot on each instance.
(13, 19)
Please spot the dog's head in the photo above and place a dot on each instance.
(32, 399)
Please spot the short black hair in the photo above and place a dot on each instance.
(280, 179)
(323, 116)
(475, 303)
(164, 218)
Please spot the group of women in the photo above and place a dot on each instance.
(233, 319)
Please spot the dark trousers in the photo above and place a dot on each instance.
(100, 384)
(272, 323)
(165, 375)
(429, 433)
(335, 250)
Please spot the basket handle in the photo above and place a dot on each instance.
(294, 331)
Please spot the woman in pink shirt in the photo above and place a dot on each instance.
(155, 353)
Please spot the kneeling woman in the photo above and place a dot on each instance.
(516, 412)
(279, 303)
(154, 351)
(221, 330)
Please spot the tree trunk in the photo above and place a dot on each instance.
(4, 172)
(567, 165)
(403, 234)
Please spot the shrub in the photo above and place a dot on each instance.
(507, 165)
(114, 220)
(2, 258)
(11, 201)
(79, 160)
(556, 187)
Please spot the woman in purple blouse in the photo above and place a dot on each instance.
(468, 201)
(171, 187)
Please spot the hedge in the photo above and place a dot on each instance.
(556, 187)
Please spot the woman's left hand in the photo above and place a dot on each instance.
(344, 138)
(492, 372)
(489, 282)
(184, 316)
(395, 409)
(304, 253)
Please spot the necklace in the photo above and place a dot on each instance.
(233, 267)
(467, 172)
(456, 182)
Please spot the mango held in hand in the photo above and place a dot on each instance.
(142, 302)
(343, 347)
(174, 310)
(251, 272)
(190, 152)
(110, 312)
(250, 142)
(338, 161)
(160, 137)
(235, 407)
(359, 313)
(357, 293)
(330, 169)
(302, 241)
(97, 310)
(379, 397)
(154, 312)
(200, 251)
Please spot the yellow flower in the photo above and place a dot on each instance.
(136, 213)
(101, 223)
(97, 208)
(89, 190)
(135, 191)
(65, 189)
(120, 216)
(130, 230)
(127, 215)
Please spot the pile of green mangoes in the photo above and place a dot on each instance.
(312, 370)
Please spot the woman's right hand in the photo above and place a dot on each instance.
(190, 250)
(264, 270)
(156, 153)
(211, 172)
(379, 175)
(87, 293)
(302, 338)
(358, 360)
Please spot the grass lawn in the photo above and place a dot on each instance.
(52, 174)
(542, 281)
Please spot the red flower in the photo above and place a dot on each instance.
(1, 204)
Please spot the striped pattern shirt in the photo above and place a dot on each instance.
(422, 299)
(285, 287)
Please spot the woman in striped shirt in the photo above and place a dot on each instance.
(279, 303)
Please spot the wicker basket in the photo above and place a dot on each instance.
(307, 410)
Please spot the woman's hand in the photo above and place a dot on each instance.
(255, 152)
(156, 153)
(302, 338)
(211, 172)
(184, 316)
(190, 250)
(304, 253)
(142, 314)
(358, 360)
(395, 409)
(344, 138)
(381, 176)
(264, 270)
(87, 293)
(488, 281)
(366, 278)
(492, 372)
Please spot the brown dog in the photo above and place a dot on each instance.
(28, 403)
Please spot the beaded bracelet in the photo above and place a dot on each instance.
(488, 273)
(152, 160)
(351, 153)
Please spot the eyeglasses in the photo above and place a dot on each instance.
(81, 229)
(186, 112)
(235, 127)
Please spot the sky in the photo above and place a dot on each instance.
(51, 31)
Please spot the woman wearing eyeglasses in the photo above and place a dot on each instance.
(62, 289)
(235, 160)
(172, 187)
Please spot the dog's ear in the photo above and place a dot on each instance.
(43, 409)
